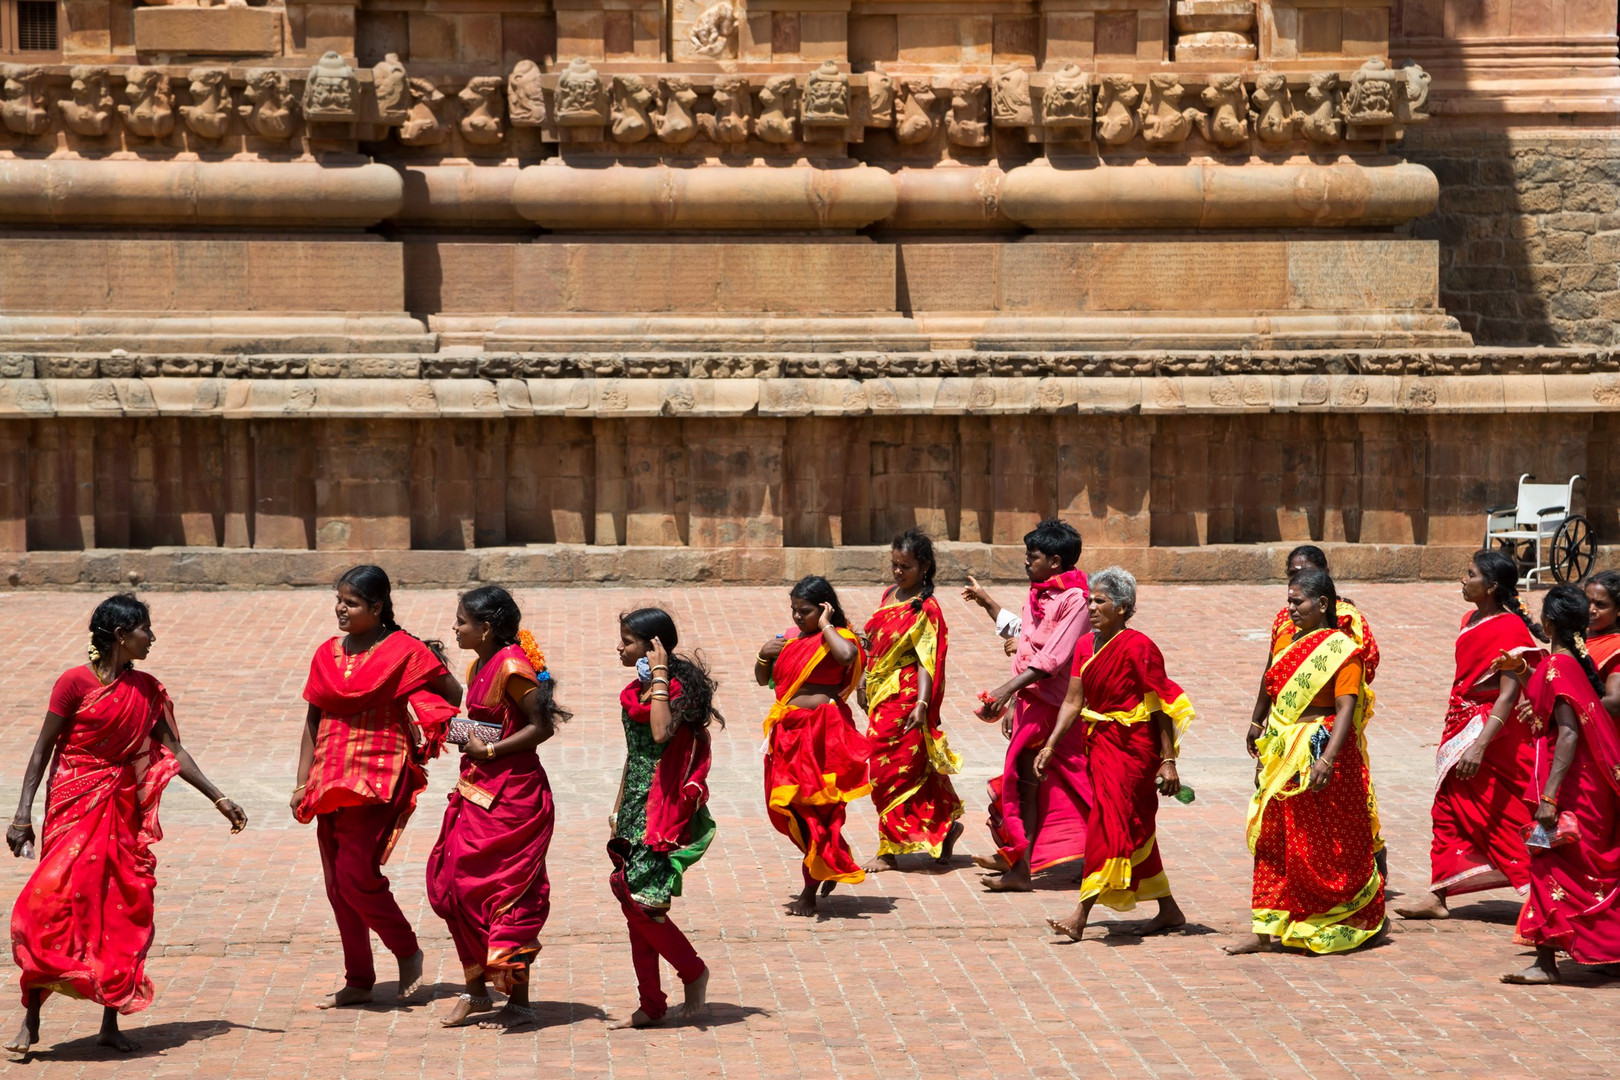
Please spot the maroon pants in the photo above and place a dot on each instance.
(650, 938)
(352, 841)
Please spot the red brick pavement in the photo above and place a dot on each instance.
(908, 974)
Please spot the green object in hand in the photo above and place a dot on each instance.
(1185, 795)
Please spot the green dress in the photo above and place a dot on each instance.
(652, 877)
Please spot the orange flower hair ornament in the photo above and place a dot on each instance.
(537, 659)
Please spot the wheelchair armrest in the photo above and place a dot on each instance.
(1493, 510)
(1549, 511)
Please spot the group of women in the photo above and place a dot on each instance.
(1527, 789)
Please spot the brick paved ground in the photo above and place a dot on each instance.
(909, 974)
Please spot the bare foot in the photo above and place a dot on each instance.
(349, 995)
(117, 1040)
(1169, 919)
(1006, 882)
(410, 975)
(1534, 975)
(804, 906)
(827, 887)
(1432, 906)
(466, 1005)
(638, 1019)
(880, 863)
(515, 1016)
(1256, 944)
(993, 863)
(27, 1036)
(696, 1004)
(948, 848)
(1070, 928)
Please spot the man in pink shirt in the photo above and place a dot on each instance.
(1038, 823)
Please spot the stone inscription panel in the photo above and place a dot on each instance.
(1338, 274)
(1194, 275)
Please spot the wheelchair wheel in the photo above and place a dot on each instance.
(1573, 548)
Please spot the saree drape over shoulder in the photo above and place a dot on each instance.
(486, 875)
(1055, 618)
(910, 770)
(1125, 687)
(815, 759)
(1479, 822)
(1571, 902)
(82, 924)
(1316, 885)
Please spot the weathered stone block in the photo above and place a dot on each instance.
(210, 31)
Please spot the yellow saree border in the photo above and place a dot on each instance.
(1324, 933)
(1180, 711)
(883, 672)
(1111, 883)
(785, 694)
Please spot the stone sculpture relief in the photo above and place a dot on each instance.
(209, 114)
(776, 109)
(1273, 113)
(1414, 105)
(914, 123)
(1226, 123)
(331, 90)
(826, 97)
(482, 109)
(1066, 106)
(1010, 102)
(388, 80)
(969, 121)
(525, 100)
(1164, 121)
(24, 109)
(150, 112)
(268, 111)
(879, 98)
(1320, 119)
(731, 107)
(423, 126)
(713, 31)
(631, 103)
(90, 111)
(580, 100)
(676, 120)
(1370, 101)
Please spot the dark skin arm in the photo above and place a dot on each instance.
(535, 731)
(1569, 737)
(446, 686)
(1508, 694)
(1322, 772)
(306, 754)
(1073, 701)
(1257, 719)
(1611, 694)
(22, 829)
(1169, 781)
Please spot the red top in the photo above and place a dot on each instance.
(74, 685)
(827, 673)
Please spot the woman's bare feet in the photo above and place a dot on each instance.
(1432, 906)
(1544, 972)
(349, 995)
(638, 1019)
(111, 1037)
(879, 863)
(410, 975)
(1170, 918)
(696, 1004)
(466, 1005)
(1255, 944)
(804, 904)
(948, 849)
(1072, 928)
(993, 863)
(511, 1015)
(1007, 881)
(27, 1035)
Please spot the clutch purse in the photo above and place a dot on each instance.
(1536, 835)
(461, 727)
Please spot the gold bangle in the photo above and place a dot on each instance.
(660, 667)
(301, 787)
(1550, 801)
(760, 659)
(222, 798)
(659, 697)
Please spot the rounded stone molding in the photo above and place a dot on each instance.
(949, 197)
(1211, 196)
(459, 194)
(75, 191)
(620, 198)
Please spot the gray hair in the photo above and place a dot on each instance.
(1116, 583)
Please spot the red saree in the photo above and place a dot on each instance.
(910, 770)
(1316, 885)
(1605, 652)
(1125, 685)
(815, 762)
(1479, 822)
(486, 876)
(1571, 904)
(83, 923)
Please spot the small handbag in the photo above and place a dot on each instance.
(1567, 831)
(461, 727)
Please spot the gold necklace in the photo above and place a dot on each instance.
(351, 659)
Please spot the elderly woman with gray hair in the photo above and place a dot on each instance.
(1135, 717)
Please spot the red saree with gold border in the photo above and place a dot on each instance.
(910, 770)
(815, 762)
(82, 924)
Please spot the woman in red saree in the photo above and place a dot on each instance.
(911, 764)
(815, 759)
(1603, 633)
(1135, 718)
(486, 876)
(1575, 782)
(1484, 757)
(1311, 820)
(82, 924)
(379, 701)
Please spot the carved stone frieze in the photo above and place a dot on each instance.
(915, 123)
(632, 102)
(1320, 121)
(24, 110)
(388, 83)
(150, 112)
(91, 110)
(969, 121)
(731, 109)
(331, 90)
(777, 109)
(676, 118)
(581, 100)
(1273, 112)
(482, 110)
(879, 98)
(714, 32)
(525, 100)
(826, 98)
(269, 104)
(1010, 101)
(1066, 107)
(1164, 121)
(423, 125)
(1370, 100)
(1226, 121)
(209, 114)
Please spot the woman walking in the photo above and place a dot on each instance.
(1311, 822)
(1575, 782)
(661, 823)
(486, 877)
(82, 925)
(1135, 719)
(1603, 633)
(815, 759)
(379, 701)
(911, 763)
(1484, 761)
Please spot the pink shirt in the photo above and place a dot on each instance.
(1048, 643)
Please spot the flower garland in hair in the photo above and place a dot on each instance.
(1580, 645)
(93, 652)
(537, 659)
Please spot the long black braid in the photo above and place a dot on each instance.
(1566, 609)
(1501, 573)
(920, 546)
(695, 704)
(371, 584)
